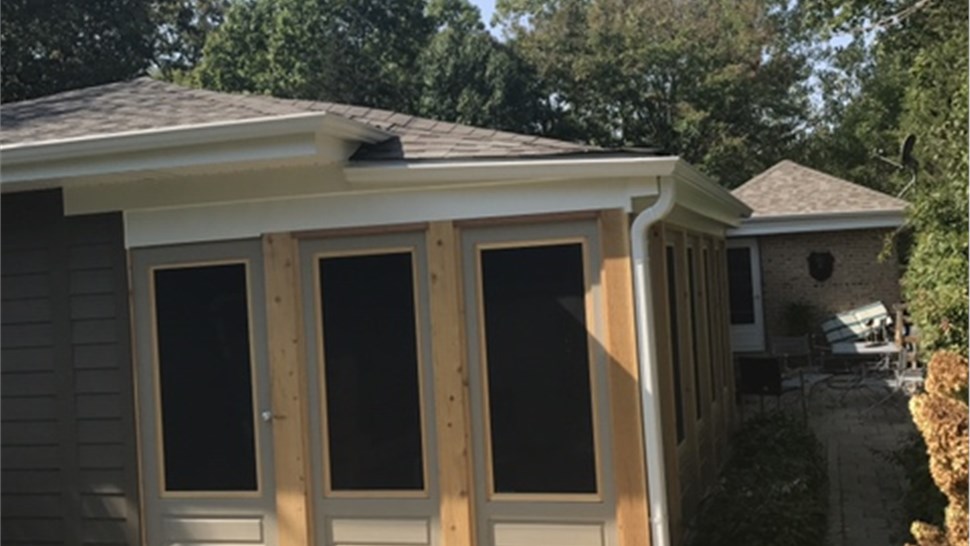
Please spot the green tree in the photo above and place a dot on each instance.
(353, 51)
(722, 84)
(469, 77)
(54, 45)
(912, 81)
(182, 28)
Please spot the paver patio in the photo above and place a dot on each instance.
(866, 489)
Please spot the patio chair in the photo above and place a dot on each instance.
(800, 364)
(760, 376)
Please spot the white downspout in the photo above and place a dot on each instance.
(647, 356)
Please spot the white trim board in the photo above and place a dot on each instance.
(806, 223)
(313, 137)
(222, 221)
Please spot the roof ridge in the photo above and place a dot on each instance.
(789, 187)
(146, 103)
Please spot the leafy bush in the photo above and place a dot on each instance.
(922, 500)
(774, 489)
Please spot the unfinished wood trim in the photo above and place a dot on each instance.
(362, 231)
(157, 383)
(287, 377)
(449, 362)
(550, 217)
(715, 394)
(657, 249)
(590, 309)
(690, 471)
(725, 318)
(703, 356)
(328, 490)
(629, 459)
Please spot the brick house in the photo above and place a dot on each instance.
(811, 247)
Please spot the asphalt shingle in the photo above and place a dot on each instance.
(788, 188)
(144, 104)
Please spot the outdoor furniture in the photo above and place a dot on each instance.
(801, 364)
(870, 323)
(760, 376)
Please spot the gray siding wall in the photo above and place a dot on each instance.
(69, 461)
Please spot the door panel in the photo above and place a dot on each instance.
(745, 306)
(202, 384)
(369, 390)
(537, 383)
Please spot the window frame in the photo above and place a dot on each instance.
(589, 308)
(164, 492)
(327, 490)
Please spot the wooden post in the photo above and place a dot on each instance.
(632, 512)
(657, 250)
(449, 361)
(287, 378)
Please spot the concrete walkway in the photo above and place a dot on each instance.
(865, 487)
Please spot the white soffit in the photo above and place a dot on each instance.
(808, 223)
(289, 139)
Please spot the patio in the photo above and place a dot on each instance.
(865, 487)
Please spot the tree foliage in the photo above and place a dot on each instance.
(720, 83)
(182, 27)
(909, 65)
(53, 45)
(469, 77)
(352, 51)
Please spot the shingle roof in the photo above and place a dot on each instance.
(144, 103)
(788, 188)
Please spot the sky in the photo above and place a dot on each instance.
(487, 7)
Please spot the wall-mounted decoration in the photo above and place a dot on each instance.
(821, 265)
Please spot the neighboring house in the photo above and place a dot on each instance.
(812, 239)
(240, 319)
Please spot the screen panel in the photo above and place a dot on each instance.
(740, 287)
(538, 371)
(205, 378)
(673, 318)
(370, 352)
(694, 342)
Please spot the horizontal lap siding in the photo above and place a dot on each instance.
(69, 472)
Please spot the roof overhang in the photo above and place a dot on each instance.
(695, 191)
(292, 173)
(212, 147)
(807, 223)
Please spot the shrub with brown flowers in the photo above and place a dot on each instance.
(941, 415)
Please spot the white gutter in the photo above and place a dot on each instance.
(647, 356)
(813, 222)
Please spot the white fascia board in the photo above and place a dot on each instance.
(389, 174)
(260, 139)
(807, 223)
(222, 221)
(699, 193)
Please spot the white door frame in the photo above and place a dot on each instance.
(747, 338)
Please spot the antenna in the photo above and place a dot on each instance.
(906, 161)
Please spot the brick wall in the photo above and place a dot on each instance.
(858, 277)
